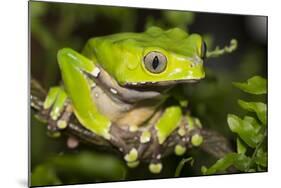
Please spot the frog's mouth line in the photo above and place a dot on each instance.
(159, 84)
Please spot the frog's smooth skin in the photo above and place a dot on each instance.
(124, 79)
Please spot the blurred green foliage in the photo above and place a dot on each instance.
(78, 167)
(56, 25)
(251, 131)
(172, 19)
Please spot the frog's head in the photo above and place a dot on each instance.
(155, 57)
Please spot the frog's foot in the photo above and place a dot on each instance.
(55, 104)
(155, 165)
(145, 139)
(184, 139)
(132, 158)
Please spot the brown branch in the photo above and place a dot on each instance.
(123, 140)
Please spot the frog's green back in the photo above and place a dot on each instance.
(118, 52)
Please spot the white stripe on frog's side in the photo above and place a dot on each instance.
(113, 91)
(96, 72)
(158, 156)
(110, 85)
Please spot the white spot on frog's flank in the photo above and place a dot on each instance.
(134, 83)
(94, 85)
(143, 82)
(113, 91)
(96, 72)
(96, 95)
(158, 156)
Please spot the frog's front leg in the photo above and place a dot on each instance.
(74, 68)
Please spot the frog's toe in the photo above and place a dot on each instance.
(132, 155)
(53, 133)
(145, 137)
(61, 124)
(55, 101)
(52, 128)
(196, 140)
(179, 149)
(133, 164)
(155, 168)
(58, 105)
(132, 158)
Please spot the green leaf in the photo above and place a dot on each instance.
(257, 132)
(258, 107)
(261, 157)
(221, 165)
(255, 85)
(239, 161)
(241, 148)
(248, 129)
(181, 164)
(73, 168)
(179, 19)
(90, 164)
(44, 175)
(242, 162)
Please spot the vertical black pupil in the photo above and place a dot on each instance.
(155, 62)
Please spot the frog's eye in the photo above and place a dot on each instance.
(155, 62)
(203, 50)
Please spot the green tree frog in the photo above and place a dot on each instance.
(125, 80)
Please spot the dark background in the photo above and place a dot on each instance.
(56, 25)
